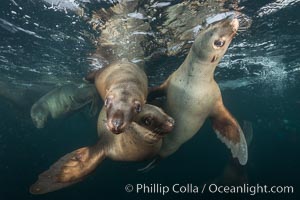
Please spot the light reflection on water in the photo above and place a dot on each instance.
(51, 50)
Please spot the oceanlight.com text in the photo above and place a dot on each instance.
(190, 188)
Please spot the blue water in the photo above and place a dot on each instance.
(43, 46)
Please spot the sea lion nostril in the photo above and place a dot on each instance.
(171, 122)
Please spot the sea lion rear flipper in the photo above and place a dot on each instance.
(69, 169)
(229, 131)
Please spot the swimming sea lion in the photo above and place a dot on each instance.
(193, 95)
(122, 84)
(140, 141)
(123, 87)
(63, 100)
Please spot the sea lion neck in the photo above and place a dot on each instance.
(195, 68)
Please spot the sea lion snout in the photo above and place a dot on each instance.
(38, 122)
(115, 116)
(116, 122)
(235, 24)
(117, 125)
(169, 124)
(39, 116)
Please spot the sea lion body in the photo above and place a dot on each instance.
(193, 95)
(189, 119)
(63, 100)
(140, 141)
(123, 86)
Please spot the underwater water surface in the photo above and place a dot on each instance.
(44, 44)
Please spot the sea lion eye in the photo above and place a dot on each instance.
(138, 107)
(107, 101)
(148, 121)
(219, 43)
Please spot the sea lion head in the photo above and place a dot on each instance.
(155, 120)
(120, 111)
(39, 115)
(212, 43)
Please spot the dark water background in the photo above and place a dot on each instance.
(42, 47)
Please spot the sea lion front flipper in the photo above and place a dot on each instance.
(69, 169)
(234, 173)
(229, 131)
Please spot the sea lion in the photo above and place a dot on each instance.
(123, 87)
(140, 141)
(119, 61)
(63, 100)
(193, 95)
